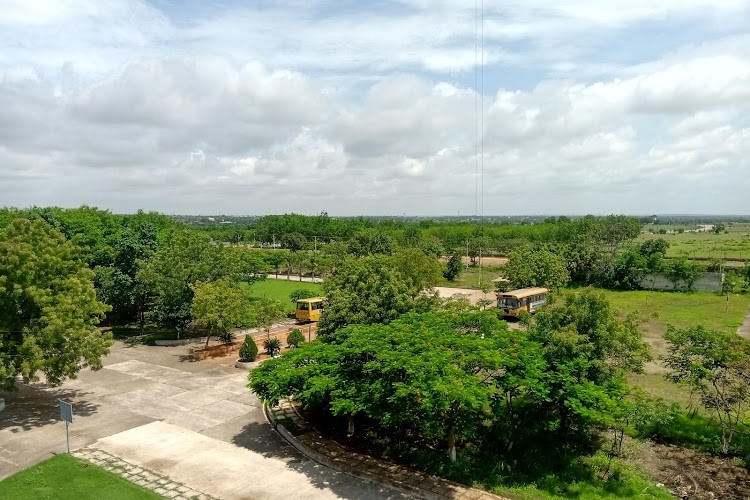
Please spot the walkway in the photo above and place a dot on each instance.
(290, 424)
(193, 422)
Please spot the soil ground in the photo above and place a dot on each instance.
(693, 474)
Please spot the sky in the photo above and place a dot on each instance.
(385, 107)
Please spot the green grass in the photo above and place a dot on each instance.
(732, 245)
(280, 289)
(469, 278)
(66, 478)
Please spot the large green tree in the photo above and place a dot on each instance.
(183, 257)
(48, 306)
(219, 306)
(528, 267)
(365, 291)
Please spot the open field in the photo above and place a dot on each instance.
(280, 290)
(469, 278)
(734, 245)
(658, 310)
(64, 477)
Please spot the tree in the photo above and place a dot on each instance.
(682, 270)
(716, 367)
(421, 272)
(48, 307)
(366, 290)
(300, 293)
(218, 306)
(588, 352)
(435, 375)
(183, 258)
(370, 242)
(265, 312)
(528, 267)
(275, 259)
(293, 241)
(651, 247)
(453, 268)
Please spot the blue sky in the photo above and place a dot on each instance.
(369, 107)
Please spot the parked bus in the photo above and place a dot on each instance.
(525, 299)
(310, 309)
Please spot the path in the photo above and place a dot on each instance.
(294, 277)
(744, 329)
(195, 422)
(474, 296)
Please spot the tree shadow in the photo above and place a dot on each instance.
(261, 438)
(39, 405)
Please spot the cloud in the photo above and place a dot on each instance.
(244, 110)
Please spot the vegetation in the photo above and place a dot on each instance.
(280, 291)
(528, 268)
(248, 349)
(48, 306)
(272, 346)
(66, 478)
(295, 338)
(219, 306)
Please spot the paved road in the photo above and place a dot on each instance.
(154, 407)
(294, 277)
(744, 329)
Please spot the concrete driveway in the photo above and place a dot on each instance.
(195, 422)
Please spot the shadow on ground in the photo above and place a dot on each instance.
(31, 407)
(261, 438)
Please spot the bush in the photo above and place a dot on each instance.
(226, 337)
(300, 293)
(248, 350)
(295, 338)
(271, 346)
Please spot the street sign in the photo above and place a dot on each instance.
(66, 414)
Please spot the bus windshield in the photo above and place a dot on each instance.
(509, 302)
(302, 306)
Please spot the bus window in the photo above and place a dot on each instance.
(302, 306)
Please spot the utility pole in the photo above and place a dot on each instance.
(274, 241)
(467, 253)
(315, 248)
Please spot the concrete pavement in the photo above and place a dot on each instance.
(195, 420)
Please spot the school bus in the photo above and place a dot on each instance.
(310, 309)
(525, 299)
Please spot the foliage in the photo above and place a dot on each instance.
(64, 477)
(365, 291)
(370, 242)
(248, 349)
(279, 291)
(48, 306)
(716, 367)
(651, 247)
(182, 259)
(295, 338)
(265, 313)
(421, 272)
(453, 268)
(272, 345)
(218, 306)
(300, 293)
(683, 271)
(588, 352)
(528, 268)
(293, 241)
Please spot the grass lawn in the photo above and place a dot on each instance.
(280, 289)
(681, 310)
(64, 477)
(469, 278)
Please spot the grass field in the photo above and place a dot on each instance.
(280, 289)
(733, 245)
(681, 310)
(66, 478)
(469, 278)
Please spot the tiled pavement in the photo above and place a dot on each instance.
(148, 479)
(288, 421)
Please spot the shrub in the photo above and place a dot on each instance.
(226, 337)
(300, 293)
(272, 345)
(248, 350)
(295, 338)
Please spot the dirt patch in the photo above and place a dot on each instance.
(486, 261)
(309, 330)
(694, 474)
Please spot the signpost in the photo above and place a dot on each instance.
(66, 414)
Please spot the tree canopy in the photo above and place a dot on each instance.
(48, 306)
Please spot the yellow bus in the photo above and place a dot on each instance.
(310, 309)
(525, 299)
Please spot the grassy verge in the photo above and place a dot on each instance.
(469, 278)
(66, 478)
(279, 290)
